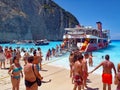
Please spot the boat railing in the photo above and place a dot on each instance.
(75, 32)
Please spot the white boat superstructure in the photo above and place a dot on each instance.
(86, 39)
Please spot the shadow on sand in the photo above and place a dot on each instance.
(92, 88)
(46, 81)
(44, 70)
(89, 88)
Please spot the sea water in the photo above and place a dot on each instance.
(62, 61)
(113, 50)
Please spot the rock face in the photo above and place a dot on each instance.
(33, 20)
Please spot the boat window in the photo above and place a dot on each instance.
(89, 32)
(83, 39)
(100, 40)
(104, 41)
(78, 40)
(93, 41)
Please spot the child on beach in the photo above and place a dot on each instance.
(117, 78)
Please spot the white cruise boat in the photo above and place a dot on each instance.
(86, 39)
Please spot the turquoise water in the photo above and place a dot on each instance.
(62, 61)
(113, 50)
(44, 48)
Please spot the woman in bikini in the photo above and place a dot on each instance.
(14, 71)
(117, 78)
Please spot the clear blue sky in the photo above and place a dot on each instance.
(88, 12)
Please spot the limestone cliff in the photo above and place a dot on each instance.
(33, 19)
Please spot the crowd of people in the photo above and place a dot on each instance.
(79, 64)
(32, 65)
(11, 59)
(79, 70)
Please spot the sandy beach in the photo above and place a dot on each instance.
(59, 77)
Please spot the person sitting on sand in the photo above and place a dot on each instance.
(107, 72)
(15, 75)
(117, 78)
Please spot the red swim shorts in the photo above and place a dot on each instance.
(107, 78)
(78, 80)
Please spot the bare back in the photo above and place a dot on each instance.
(107, 66)
(84, 63)
(29, 74)
(78, 68)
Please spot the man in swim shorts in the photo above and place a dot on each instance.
(107, 72)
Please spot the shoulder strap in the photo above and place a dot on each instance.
(33, 69)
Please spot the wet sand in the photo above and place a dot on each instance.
(59, 77)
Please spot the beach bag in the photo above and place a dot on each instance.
(37, 79)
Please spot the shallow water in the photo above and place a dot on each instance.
(62, 61)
